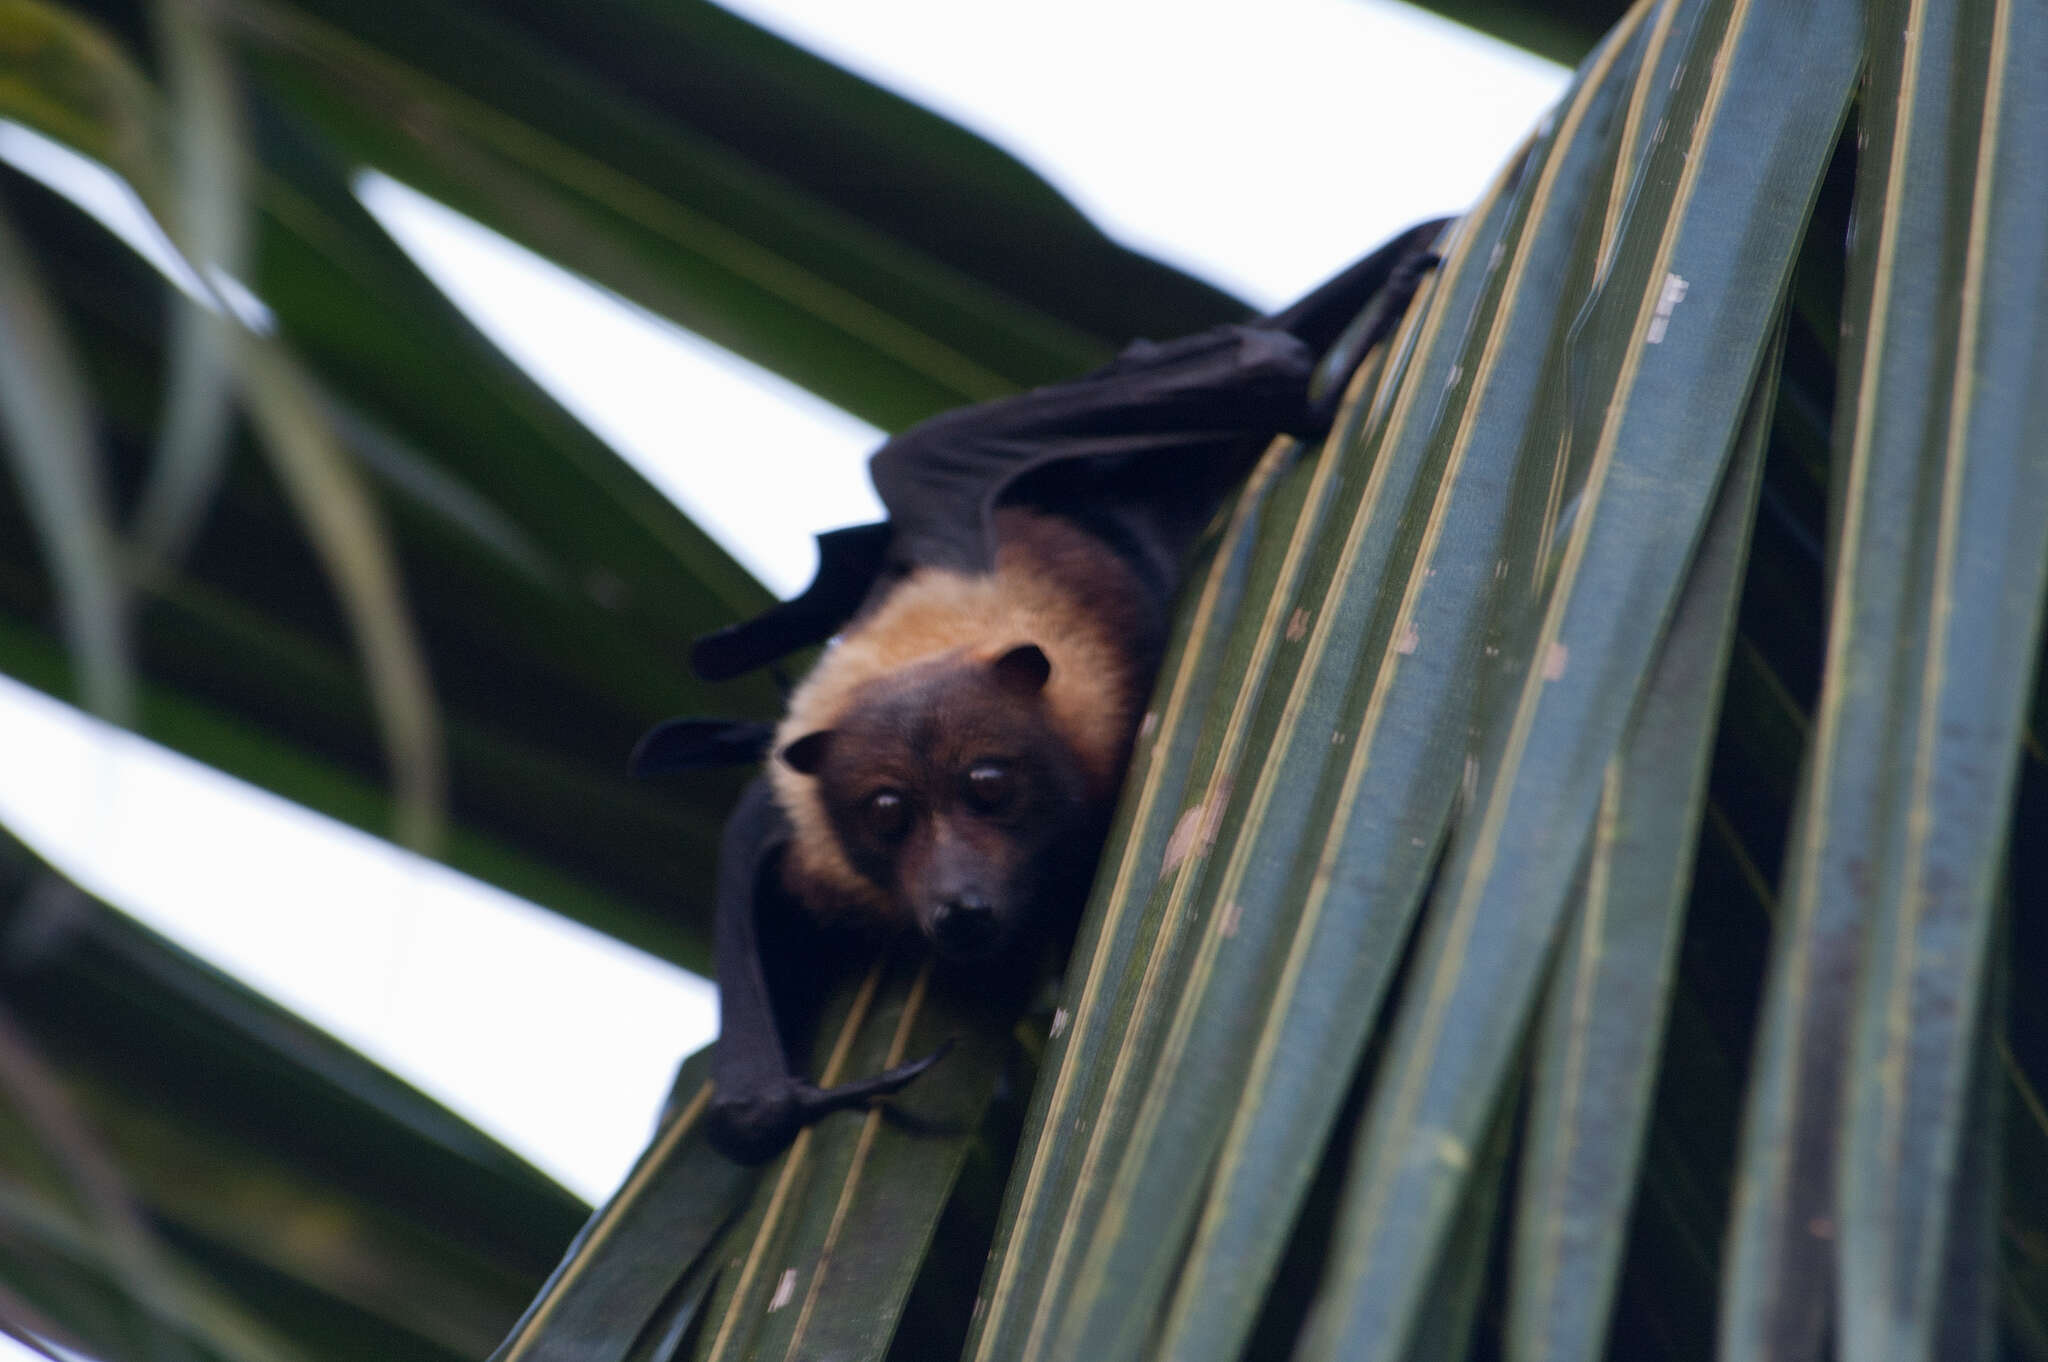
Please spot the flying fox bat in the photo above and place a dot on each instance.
(952, 760)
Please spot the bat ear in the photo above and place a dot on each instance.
(1023, 669)
(807, 753)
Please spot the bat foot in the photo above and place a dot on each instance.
(754, 1127)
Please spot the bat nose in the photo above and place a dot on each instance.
(965, 926)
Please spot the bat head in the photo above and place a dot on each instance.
(950, 788)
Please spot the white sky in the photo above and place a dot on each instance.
(1260, 146)
(491, 1004)
(662, 395)
(10, 1351)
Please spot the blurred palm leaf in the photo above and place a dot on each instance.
(553, 591)
(285, 1197)
(1413, 1013)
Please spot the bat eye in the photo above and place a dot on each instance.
(989, 786)
(887, 815)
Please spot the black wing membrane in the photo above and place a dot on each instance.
(849, 563)
(1139, 451)
(1168, 424)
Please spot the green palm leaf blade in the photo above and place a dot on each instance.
(72, 80)
(825, 1254)
(1862, 1075)
(657, 1230)
(1763, 730)
(212, 221)
(1446, 1331)
(1971, 1285)
(1114, 1018)
(1079, 1136)
(1119, 928)
(1160, 974)
(49, 436)
(300, 1194)
(1401, 710)
(1157, 1184)
(1300, 497)
(281, 704)
(513, 523)
(327, 489)
(1906, 1185)
(1598, 1045)
(67, 1288)
(2023, 1251)
(1720, 209)
(1117, 932)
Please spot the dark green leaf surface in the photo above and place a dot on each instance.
(1377, 719)
(1153, 1173)
(48, 433)
(1119, 932)
(1668, 350)
(1599, 1042)
(821, 1261)
(1862, 1077)
(211, 221)
(1144, 1003)
(656, 1231)
(605, 584)
(303, 1197)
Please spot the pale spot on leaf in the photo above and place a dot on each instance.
(1196, 830)
(1554, 661)
(1451, 1152)
(785, 1290)
(1297, 625)
(1409, 641)
(1059, 1022)
(1231, 914)
(1667, 302)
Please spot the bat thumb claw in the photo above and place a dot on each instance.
(918, 1066)
(895, 1080)
(819, 1101)
(753, 1129)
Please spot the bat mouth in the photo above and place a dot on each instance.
(966, 929)
(969, 955)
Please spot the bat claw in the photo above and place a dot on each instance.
(757, 1127)
(818, 1102)
(896, 1079)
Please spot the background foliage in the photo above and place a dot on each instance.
(1574, 901)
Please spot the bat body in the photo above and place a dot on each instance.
(950, 764)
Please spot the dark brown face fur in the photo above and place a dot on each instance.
(949, 788)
